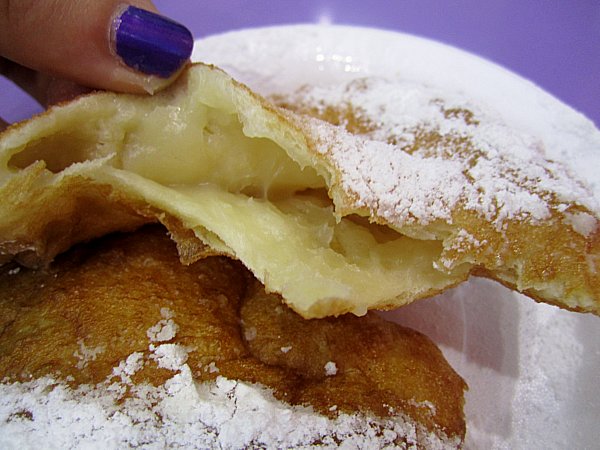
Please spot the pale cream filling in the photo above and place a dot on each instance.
(200, 158)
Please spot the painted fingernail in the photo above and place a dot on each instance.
(150, 43)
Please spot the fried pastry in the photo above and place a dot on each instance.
(116, 341)
(335, 220)
(496, 200)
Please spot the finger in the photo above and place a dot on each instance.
(102, 44)
(58, 90)
(46, 89)
(27, 79)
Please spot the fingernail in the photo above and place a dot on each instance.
(150, 43)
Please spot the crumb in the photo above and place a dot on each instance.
(330, 369)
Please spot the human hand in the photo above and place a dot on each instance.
(56, 49)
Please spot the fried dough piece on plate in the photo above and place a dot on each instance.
(334, 221)
(493, 195)
(118, 342)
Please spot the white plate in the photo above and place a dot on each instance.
(533, 370)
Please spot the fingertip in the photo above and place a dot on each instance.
(148, 42)
(58, 90)
(120, 78)
(107, 44)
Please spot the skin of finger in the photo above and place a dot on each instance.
(45, 89)
(68, 39)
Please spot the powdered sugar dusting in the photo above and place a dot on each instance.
(545, 150)
(417, 152)
(183, 413)
(126, 369)
(376, 172)
(165, 329)
(461, 243)
(169, 356)
(279, 60)
(86, 354)
(583, 223)
(330, 369)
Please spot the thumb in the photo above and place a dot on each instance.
(103, 44)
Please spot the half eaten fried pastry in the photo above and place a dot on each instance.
(335, 220)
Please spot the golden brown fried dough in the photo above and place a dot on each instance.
(519, 216)
(335, 220)
(102, 302)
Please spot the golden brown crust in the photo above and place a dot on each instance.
(553, 259)
(73, 212)
(76, 173)
(108, 294)
(379, 365)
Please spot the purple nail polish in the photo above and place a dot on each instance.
(150, 43)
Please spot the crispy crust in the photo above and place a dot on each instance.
(108, 294)
(553, 259)
(74, 197)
